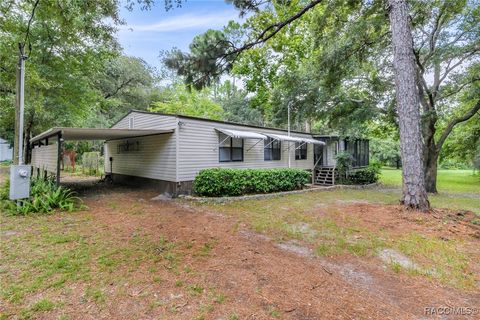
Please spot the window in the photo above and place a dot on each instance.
(230, 149)
(272, 149)
(300, 151)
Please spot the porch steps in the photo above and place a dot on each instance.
(325, 176)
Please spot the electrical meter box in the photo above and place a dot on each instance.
(20, 181)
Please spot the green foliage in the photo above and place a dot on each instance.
(366, 175)
(92, 163)
(346, 175)
(178, 100)
(218, 182)
(126, 83)
(45, 197)
(454, 164)
(70, 43)
(386, 151)
(237, 105)
(344, 161)
(204, 52)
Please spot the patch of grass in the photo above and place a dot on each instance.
(233, 316)
(448, 262)
(195, 290)
(219, 298)
(274, 313)
(179, 283)
(95, 295)
(205, 249)
(206, 308)
(53, 252)
(43, 305)
(396, 267)
(337, 233)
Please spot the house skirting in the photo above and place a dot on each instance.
(162, 186)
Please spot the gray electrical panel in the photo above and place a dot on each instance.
(20, 181)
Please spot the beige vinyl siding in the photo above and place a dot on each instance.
(155, 158)
(45, 158)
(198, 149)
(147, 121)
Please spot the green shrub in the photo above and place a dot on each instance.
(344, 162)
(45, 197)
(234, 182)
(366, 175)
(453, 164)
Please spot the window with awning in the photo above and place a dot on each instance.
(272, 149)
(301, 151)
(230, 149)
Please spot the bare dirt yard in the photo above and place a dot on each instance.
(322, 255)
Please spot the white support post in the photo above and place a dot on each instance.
(288, 116)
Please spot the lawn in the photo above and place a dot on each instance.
(457, 189)
(461, 181)
(333, 223)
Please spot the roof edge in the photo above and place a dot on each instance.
(210, 120)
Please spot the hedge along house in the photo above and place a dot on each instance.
(168, 151)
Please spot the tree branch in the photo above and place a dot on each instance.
(120, 87)
(459, 88)
(456, 121)
(449, 68)
(27, 34)
(274, 28)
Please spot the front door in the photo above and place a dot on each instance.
(318, 155)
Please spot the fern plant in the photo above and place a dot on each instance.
(45, 197)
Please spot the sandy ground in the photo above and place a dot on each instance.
(259, 276)
(261, 279)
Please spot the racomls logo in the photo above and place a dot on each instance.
(451, 311)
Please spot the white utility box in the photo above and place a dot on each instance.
(20, 181)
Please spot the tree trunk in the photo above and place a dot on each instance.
(430, 154)
(431, 172)
(411, 146)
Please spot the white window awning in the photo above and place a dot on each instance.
(282, 137)
(313, 141)
(241, 134)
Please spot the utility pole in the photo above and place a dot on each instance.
(288, 129)
(19, 107)
(21, 102)
(20, 173)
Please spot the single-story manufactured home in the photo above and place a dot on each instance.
(168, 151)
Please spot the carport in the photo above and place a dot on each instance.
(46, 148)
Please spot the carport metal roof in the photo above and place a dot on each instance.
(96, 133)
